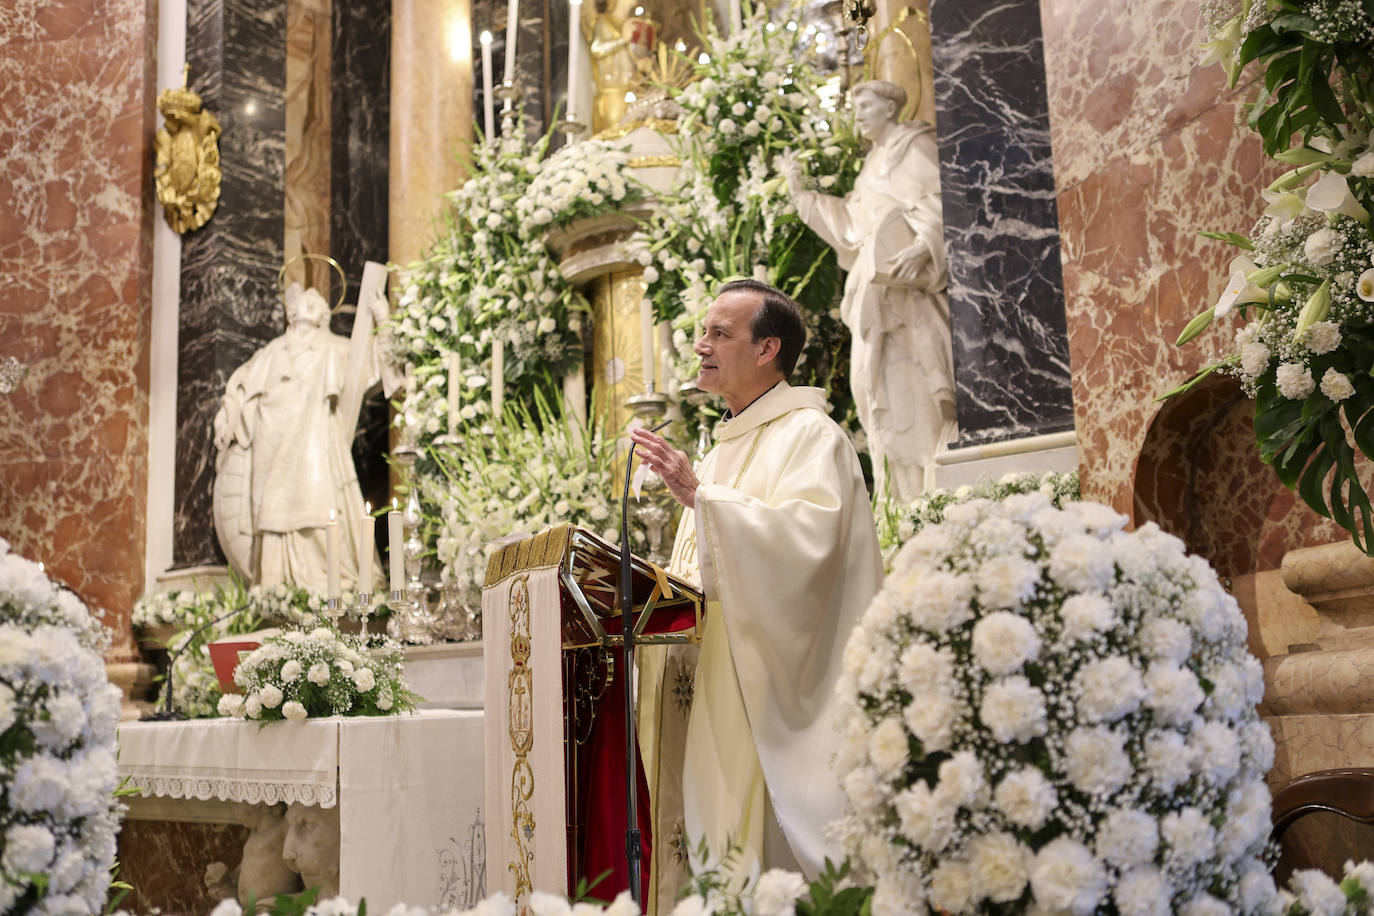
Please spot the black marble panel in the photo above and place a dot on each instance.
(1006, 292)
(360, 103)
(229, 301)
(543, 30)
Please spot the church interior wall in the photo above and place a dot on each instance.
(75, 264)
(1149, 148)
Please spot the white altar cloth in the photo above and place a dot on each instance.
(409, 790)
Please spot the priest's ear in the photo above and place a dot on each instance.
(769, 348)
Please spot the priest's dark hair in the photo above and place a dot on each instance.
(778, 316)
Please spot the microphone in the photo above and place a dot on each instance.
(633, 849)
(167, 713)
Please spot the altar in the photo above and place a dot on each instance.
(408, 791)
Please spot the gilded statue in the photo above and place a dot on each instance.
(187, 176)
(621, 43)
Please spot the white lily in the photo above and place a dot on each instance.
(1364, 287)
(1223, 49)
(1239, 290)
(1331, 194)
(1284, 206)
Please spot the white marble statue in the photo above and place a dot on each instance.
(284, 431)
(312, 847)
(888, 234)
(264, 873)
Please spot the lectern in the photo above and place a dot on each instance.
(555, 743)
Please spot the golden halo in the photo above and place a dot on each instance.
(343, 280)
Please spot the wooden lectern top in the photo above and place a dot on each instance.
(667, 609)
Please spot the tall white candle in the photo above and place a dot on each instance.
(396, 548)
(498, 377)
(488, 100)
(736, 18)
(646, 342)
(332, 556)
(454, 381)
(576, 57)
(367, 546)
(512, 26)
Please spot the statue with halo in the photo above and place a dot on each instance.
(283, 434)
(889, 236)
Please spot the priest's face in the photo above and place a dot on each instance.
(733, 365)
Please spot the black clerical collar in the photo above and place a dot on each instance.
(728, 415)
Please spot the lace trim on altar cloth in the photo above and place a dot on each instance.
(266, 787)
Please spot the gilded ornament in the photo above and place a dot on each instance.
(187, 176)
(520, 711)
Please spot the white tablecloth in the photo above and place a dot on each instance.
(409, 790)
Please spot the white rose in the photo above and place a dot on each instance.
(1168, 759)
(1254, 359)
(952, 887)
(1363, 166)
(1336, 385)
(1143, 892)
(887, 747)
(1026, 797)
(776, 892)
(1323, 337)
(1080, 563)
(1000, 865)
(1013, 710)
(270, 695)
(1322, 246)
(1065, 876)
(1095, 760)
(364, 680)
(960, 780)
(926, 819)
(230, 704)
(1172, 692)
(1188, 834)
(1294, 381)
(1108, 689)
(318, 674)
(293, 710)
(1085, 616)
(252, 707)
(1003, 642)
(1006, 581)
(1127, 837)
(931, 720)
(290, 671)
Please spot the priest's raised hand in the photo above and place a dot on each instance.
(669, 463)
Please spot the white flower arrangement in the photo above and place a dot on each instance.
(58, 713)
(898, 523)
(532, 472)
(319, 672)
(1051, 712)
(581, 180)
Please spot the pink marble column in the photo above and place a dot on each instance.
(77, 89)
(1147, 151)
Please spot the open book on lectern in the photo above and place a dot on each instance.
(667, 609)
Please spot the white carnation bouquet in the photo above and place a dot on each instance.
(58, 712)
(581, 180)
(1053, 714)
(319, 672)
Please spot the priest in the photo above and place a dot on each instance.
(780, 532)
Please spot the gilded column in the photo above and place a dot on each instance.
(431, 116)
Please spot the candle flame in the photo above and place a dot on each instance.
(367, 508)
(485, 37)
(331, 515)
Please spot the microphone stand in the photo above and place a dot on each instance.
(633, 849)
(167, 713)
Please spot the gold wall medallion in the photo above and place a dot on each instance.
(187, 176)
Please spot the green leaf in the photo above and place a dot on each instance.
(1230, 238)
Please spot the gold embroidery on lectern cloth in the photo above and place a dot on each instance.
(520, 712)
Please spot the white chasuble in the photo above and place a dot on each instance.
(784, 539)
